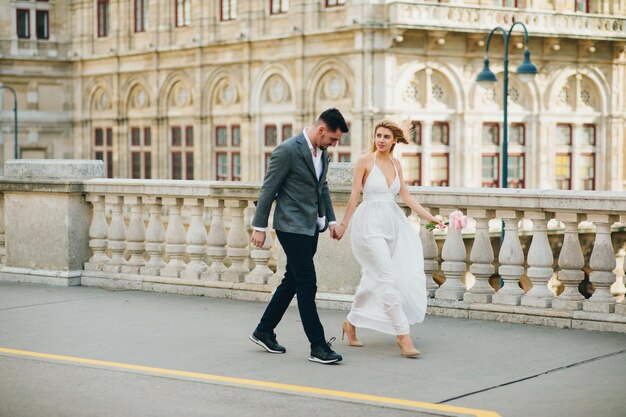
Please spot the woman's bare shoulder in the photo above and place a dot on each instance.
(365, 159)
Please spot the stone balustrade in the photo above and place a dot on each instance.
(192, 237)
(472, 18)
(187, 237)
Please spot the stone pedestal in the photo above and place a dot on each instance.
(47, 220)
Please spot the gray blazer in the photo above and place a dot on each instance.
(292, 182)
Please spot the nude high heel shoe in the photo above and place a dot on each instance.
(352, 341)
(407, 353)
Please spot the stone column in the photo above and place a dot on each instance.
(602, 263)
(217, 241)
(135, 236)
(97, 234)
(196, 241)
(3, 250)
(621, 307)
(571, 261)
(539, 262)
(175, 238)
(453, 266)
(482, 259)
(237, 243)
(116, 235)
(511, 258)
(155, 238)
(429, 246)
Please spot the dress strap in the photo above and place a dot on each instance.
(394, 164)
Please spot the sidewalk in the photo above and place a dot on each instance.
(514, 370)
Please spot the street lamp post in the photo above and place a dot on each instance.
(486, 78)
(14, 117)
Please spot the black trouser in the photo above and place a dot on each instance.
(299, 279)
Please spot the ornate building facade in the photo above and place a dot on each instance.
(190, 89)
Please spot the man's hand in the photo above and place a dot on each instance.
(331, 230)
(258, 238)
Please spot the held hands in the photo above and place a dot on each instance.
(258, 238)
(338, 231)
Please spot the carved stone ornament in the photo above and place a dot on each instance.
(228, 94)
(411, 92)
(489, 95)
(182, 96)
(103, 102)
(514, 95)
(585, 97)
(563, 96)
(139, 99)
(277, 90)
(438, 92)
(335, 87)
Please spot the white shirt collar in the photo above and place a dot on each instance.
(308, 141)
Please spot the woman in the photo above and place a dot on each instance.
(392, 292)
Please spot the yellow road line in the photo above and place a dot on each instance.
(424, 406)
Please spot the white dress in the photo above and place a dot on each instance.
(392, 291)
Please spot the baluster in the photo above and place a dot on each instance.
(3, 249)
(206, 221)
(602, 263)
(175, 238)
(540, 263)
(453, 266)
(97, 234)
(429, 246)
(482, 259)
(155, 238)
(116, 235)
(216, 241)
(261, 256)
(196, 241)
(621, 307)
(135, 236)
(511, 258)
(237, 243)
(571, 261)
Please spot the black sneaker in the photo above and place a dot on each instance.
(324, 354)
(267, 341)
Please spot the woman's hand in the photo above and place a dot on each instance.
(439, 224)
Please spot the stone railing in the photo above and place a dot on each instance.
(473, 18)
(187, 237)
(192, 237)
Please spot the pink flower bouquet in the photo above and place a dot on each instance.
(456, 219)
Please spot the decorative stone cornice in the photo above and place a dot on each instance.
(462, 18)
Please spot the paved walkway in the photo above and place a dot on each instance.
(91, 352)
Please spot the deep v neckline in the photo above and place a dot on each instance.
(383, 174)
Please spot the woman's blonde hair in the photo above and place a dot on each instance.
(396, 131)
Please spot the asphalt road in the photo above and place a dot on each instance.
(514, 370)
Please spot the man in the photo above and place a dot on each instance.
(296, 179)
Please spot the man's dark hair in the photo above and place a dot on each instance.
(333, 119)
